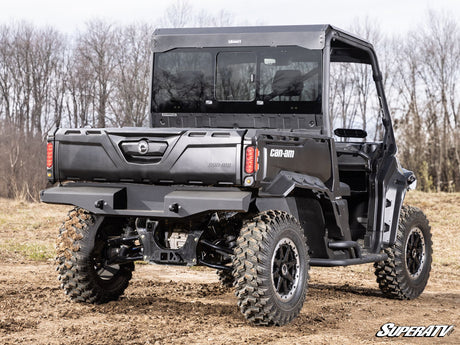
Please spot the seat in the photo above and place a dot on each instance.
(344, 189)
(287, 82)
(190, 85)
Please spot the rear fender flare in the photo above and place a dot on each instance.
(309, 213)
(285, 182)
(394, 198)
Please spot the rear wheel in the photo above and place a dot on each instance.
(405, 273)
(81, 259)
(271, 265)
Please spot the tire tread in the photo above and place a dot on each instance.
(250, 283)
(74, 266)
(390, 273)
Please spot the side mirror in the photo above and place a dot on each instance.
(350, 133)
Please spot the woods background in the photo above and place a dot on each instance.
(100, 77)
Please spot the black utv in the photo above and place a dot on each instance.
(246, 168)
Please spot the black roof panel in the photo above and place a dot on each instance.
(307, 36)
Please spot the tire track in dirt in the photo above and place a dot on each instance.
(178, 305)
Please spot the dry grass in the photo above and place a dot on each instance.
(443, 212)
(31, 251)
(28, 230)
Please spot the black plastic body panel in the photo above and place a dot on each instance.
(249, 120)
(309, 36)
(306, 153)
(311, 219)
(396, 184)
(208, 157)
(348, 262)
(147, 200)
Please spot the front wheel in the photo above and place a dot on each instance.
(405, 273)
(83, 270)
(271, 265)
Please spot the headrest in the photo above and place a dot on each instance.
(287, 82)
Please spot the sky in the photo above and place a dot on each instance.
(393, 16)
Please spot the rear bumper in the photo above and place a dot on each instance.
(147, 200)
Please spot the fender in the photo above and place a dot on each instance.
(309, 213)
(285, 182)
(399, 183)
(278, 195)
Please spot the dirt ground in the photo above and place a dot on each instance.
(181, 305)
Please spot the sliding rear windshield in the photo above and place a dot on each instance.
(246, 80)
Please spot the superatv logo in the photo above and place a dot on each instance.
(282, 153)
(391, 330)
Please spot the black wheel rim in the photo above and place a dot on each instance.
(285, 269)
(106, 272)
(103, 270)
(415, 252)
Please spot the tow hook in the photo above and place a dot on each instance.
(174, 207)
(99, 204)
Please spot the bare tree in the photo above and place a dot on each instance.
(440, 73)
(222, 18)
(343, 107)
(178, 15)
(132, 75)
(46, 61)
(80, 91)
(31, 59)
(96, 48)
(181, 13)
(368, 105)
(428, 102)
(30, 62)
(409, 109)
(6, 84)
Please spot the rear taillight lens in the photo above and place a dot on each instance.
(251, 165)
(49, 155)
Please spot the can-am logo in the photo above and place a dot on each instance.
(391, 330)
(282, 153)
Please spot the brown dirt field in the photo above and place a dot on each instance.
(180, 305)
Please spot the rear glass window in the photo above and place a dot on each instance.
(284, 76)
(250, 80)
(184, 77)
(236, 74)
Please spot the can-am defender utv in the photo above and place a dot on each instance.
(247, 169)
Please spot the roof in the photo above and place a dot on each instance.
(307, 36)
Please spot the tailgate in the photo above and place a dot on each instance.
(149, 155)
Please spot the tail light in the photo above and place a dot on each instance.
(251, 162)
(49, 155)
